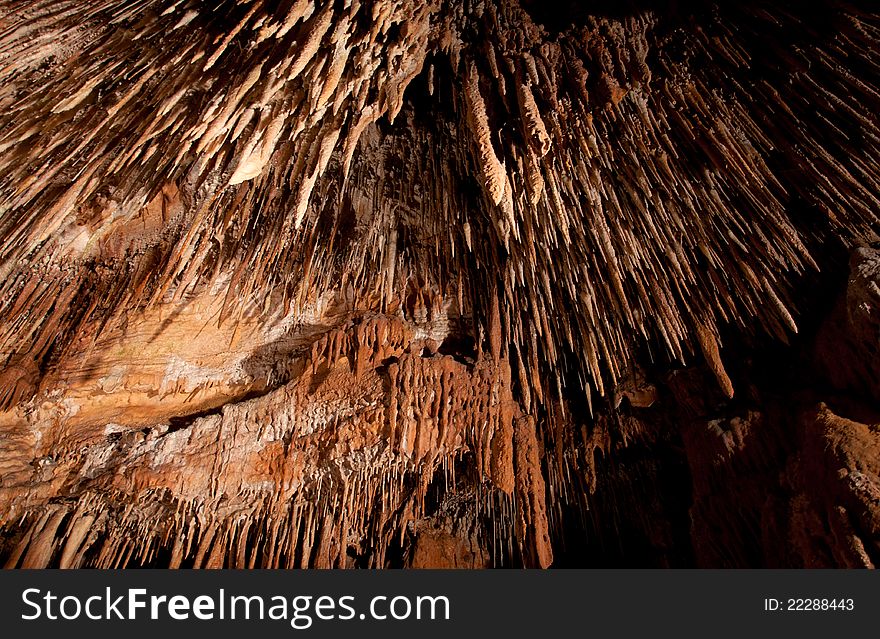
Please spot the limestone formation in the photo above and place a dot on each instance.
(426, 283)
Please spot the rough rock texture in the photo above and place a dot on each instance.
(466, 284)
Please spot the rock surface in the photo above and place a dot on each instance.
(438, 284)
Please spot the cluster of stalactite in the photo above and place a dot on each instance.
(509, 219)
(324, 470)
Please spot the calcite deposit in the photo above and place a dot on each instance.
(407, 283)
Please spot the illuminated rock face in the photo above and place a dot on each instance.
(466, 284)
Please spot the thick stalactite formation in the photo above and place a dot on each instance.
(439, 283)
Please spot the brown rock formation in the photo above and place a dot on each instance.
(470, 284)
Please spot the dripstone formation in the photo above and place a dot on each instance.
(405, 283)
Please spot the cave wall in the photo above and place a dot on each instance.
(457, 284)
